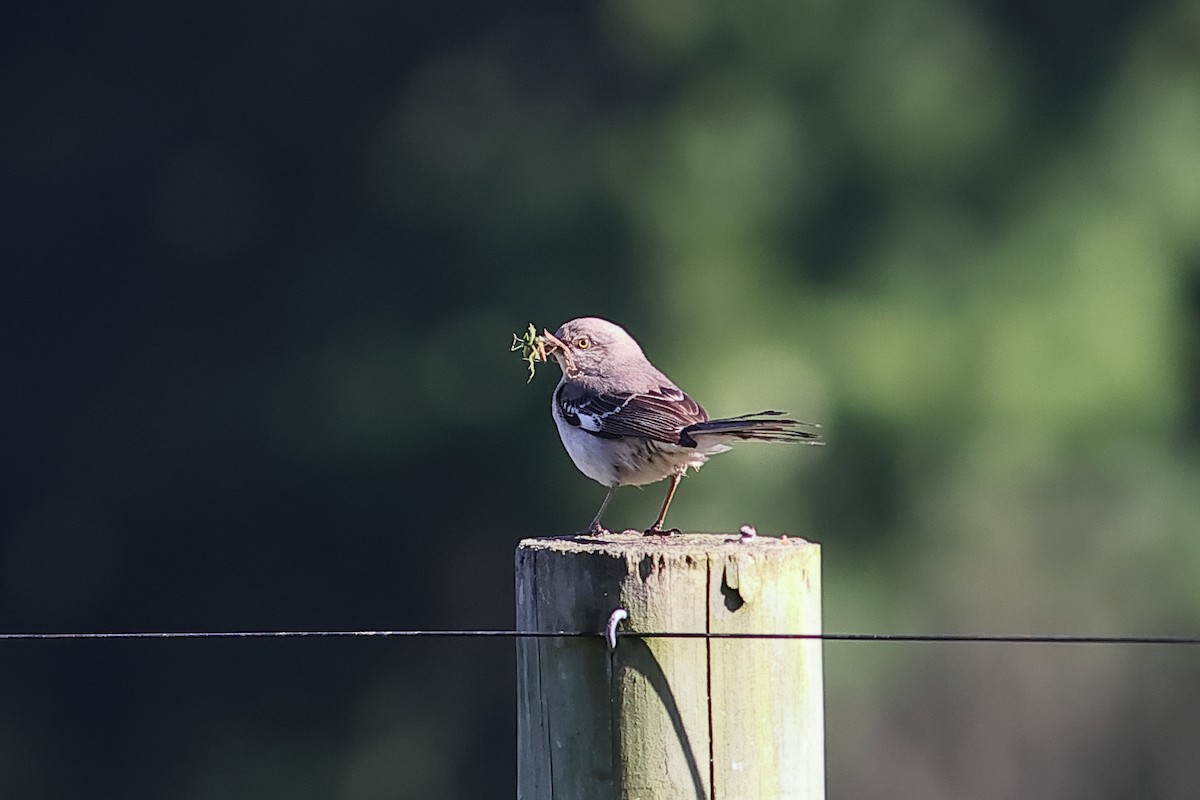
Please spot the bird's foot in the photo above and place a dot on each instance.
(654, 530)
(596, 529)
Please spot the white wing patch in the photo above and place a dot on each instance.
(592, 415)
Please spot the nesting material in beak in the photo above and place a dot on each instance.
(532, 347)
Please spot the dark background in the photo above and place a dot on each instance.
(261, 263)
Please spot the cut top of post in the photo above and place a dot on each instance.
(678, 543)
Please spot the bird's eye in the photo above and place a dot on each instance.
(583, 343)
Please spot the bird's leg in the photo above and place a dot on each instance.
(657, 528)
(596, 527)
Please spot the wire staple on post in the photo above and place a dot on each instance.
(610, 630)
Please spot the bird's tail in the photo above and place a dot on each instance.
(765, 426)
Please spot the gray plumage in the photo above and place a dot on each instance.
(624, 423)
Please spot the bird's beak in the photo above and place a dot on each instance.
(556, 348)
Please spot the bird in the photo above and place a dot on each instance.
(625, 423)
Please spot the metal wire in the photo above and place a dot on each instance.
(515, 634)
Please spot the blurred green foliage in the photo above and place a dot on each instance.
(263, 261)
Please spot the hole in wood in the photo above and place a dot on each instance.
(733, 598)
(645, 567)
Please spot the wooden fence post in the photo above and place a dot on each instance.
(669, 718)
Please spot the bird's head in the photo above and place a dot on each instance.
(586, 345)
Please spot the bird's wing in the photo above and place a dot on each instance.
(659, 415)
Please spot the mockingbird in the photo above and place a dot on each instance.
(624, 423)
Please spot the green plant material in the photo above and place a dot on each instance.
(532, 347)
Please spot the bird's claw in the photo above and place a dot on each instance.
(657, 531)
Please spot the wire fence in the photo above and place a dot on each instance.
(1047, 639)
